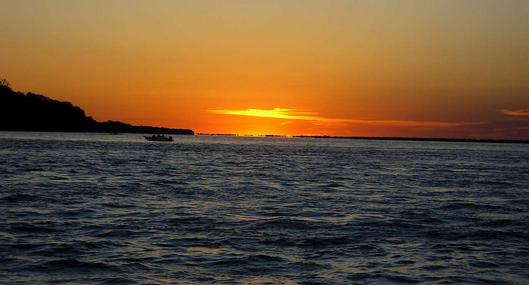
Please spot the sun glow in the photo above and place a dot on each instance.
(295, 114)
(276, 113)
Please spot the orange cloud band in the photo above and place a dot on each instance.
(293, 114)
(515, 113)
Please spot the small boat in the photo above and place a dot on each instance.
(159, 138)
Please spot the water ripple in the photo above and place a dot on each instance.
(101, 209)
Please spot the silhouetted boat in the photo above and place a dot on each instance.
(159, 138)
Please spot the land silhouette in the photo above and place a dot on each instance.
(33, 112)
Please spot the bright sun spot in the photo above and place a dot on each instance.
(276, 113)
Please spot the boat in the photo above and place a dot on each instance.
(159, 138)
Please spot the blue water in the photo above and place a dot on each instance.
(116, 209)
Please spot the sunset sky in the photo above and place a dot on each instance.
(421, 68)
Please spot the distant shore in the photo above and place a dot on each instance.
(418, 139)
(378, 138)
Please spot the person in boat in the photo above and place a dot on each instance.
(159, 137)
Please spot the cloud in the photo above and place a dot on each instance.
(277, 113)
(293, 114)
(515, 113)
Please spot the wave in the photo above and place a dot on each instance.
(67, 265)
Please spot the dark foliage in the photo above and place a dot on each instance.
(113, 126)
(32, 112)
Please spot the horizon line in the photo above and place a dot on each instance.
(439, 139)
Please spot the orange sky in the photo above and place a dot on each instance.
(353, 68)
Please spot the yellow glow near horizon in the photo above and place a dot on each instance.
(276, 113)
(293, 114)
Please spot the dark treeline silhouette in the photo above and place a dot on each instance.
(33, 112)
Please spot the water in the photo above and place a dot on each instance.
(116, 209)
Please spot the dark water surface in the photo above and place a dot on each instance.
(104, 209)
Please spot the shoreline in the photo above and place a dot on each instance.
(463, 140)
(420, 139)
(470, 140)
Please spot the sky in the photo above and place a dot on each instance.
(407, 68)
